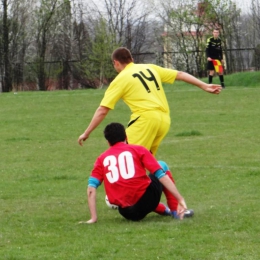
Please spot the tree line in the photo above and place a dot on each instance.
(66, 44)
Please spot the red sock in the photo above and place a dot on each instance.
(160, 209)
(171, 200)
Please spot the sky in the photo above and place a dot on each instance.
(243, 4)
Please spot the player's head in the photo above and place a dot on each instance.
(114, 133)
(122, 55)
(216, 32)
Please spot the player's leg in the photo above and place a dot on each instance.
(164, 126)
(163, 210)
(146, 204)
(171, 200)
(221, 78)
(211, 70)
(144, 130)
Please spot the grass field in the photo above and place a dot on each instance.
(212, 150)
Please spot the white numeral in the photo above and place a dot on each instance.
(124, 166)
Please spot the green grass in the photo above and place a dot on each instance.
(212, 149)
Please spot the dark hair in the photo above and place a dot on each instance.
(123, 55)
(114, 133)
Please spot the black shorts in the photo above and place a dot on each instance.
(210, 65)
(146, 204)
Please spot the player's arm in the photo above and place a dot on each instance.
(98, 117)
(188, 78)
(149, 161)
(208, 49)
(221, 52)
(171, 187)
(91, 195)
(93, 184)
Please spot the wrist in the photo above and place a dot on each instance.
(86, 133)
(181, 199)
(203, 86)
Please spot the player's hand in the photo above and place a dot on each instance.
(209, 59)
(91, 221)
(214, 89)
(181, 208)
(82, 138)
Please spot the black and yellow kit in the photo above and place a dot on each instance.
(214, 48)
(214, 51)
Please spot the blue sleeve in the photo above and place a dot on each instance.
(159, 173)
(164, 165)
(93, 182)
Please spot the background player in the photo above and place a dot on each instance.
(214, 51)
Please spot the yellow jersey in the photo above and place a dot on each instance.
(140, 87)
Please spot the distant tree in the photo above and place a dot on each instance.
(107, 25)
(255, 14)
(61, 47)
(6, 68)
(225, 15)
(20, 39)
(184, 34)
(189, 24)
(45, 23)
(99, 65)
(72, 40)
(126, 21)
(256, 58)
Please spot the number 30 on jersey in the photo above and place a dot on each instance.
(122, 166)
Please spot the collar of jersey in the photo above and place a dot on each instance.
(129, 65)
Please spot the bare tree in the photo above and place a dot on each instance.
(107, 25)
(184, 35)
(189, 24)
(254, 21)
(225, 15)
(61, 44)
(19, 39)
(128, 22)
(45, 26)
(71, 41)
(6, 69)
(255, 12)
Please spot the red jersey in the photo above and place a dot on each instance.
(123, 169)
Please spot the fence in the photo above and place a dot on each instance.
(194, 62)
(72, 74)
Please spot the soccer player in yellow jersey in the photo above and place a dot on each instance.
(140, 87)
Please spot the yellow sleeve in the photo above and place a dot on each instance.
(112, 95)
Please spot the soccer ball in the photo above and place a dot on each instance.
(112, 206)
